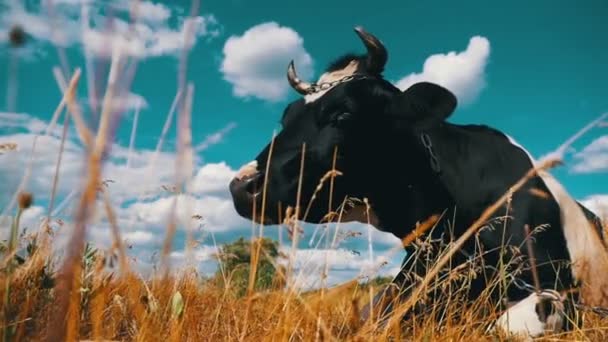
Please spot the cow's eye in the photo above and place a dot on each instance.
(341, 118)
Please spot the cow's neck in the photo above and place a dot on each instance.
(475, 165)
(441, 175)
(407, 192)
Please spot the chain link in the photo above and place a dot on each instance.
(315, 88)
(522, 285)
(595, 309)
(426, 141)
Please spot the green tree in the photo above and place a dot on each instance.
(236, 263)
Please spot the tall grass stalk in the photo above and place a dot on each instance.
(133, 131)
(67, 298)
(183, 171)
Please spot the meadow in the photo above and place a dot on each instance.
(97, 296)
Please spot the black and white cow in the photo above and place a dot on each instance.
(396, 149)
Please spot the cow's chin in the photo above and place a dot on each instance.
(250, 206)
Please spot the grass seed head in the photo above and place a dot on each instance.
(17, 36)
(25, 200)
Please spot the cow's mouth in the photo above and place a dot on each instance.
(246, 191)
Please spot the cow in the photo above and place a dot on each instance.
(397, 150)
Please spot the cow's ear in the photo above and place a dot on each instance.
(423, 104)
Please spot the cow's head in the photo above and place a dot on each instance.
(348, 118)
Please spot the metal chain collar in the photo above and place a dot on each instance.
(315, 88)
(426, 141)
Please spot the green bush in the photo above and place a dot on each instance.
(236, 264)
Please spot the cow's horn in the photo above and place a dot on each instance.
(376, 52)
(296, 83)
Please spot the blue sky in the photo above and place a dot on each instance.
(536, 71)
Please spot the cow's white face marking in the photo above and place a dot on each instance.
(522, 318)
(349, 70)
(247, 170)
(588, 255)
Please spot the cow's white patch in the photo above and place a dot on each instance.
(248, 169)
(522, 318)
(588, 255)
(349, 70)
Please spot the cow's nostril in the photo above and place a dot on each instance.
(255, 183)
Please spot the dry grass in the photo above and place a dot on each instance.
(86, 297)
(183, 306)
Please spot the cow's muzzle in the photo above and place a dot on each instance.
(246, 189)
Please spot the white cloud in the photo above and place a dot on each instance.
(342, 264)
(147, 40)
(202, 258)
(142, 221)
(63, 32)
(598, 204)
(336, 259)
(460, 72)
(350, 228)
(126, 184)
(149, 11)
(255, 63)
(212, 178)
(152, 34)
(127, 181)
(128, 102)
(30, 219)
(217, 212)
(146, 10)
(140, 237)
(592, 158)
(200, 253)
(21, 121)
(14, 164)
